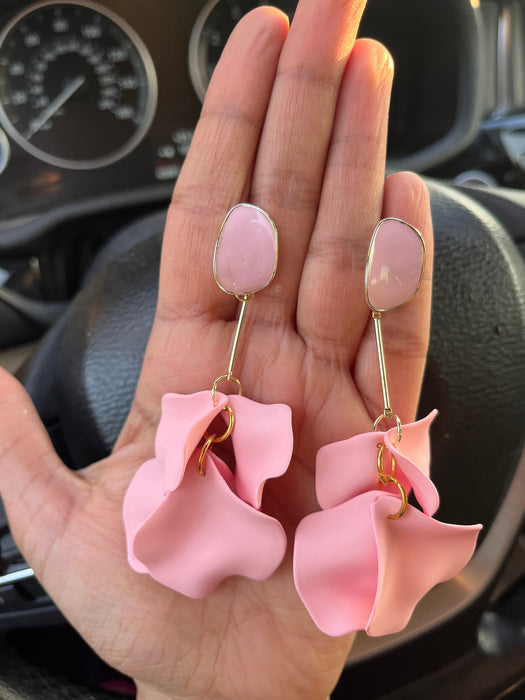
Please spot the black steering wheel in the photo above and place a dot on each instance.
(475, 377)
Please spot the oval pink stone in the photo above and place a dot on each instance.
(246, 252)
(395, 265)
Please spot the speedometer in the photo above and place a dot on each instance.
(211, 31)
(77, 85)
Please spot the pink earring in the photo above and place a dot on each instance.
(366, 559)
(190, 520)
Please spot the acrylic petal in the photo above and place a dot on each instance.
(184, 420)
(348, 468)
(144, 495)
(415, 443)
(202, 533)
(356, 569)
(263, 444)
(415, 553)
(335, 566)
(413, 461)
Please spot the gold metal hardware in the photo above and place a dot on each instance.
(211, 439)
(386, 479)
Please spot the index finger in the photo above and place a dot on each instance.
(217, 170)
(290, 166)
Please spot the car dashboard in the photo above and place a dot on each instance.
(98, 104)
(98, 99)
(92, 100)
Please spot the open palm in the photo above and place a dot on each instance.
(295, 123)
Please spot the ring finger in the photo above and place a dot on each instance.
(332, 312)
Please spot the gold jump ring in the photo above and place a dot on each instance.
(210, 439)
(229, 429)
(201, 463)
(387, 479)
(390, 416)
(380, 469)
(224, 378)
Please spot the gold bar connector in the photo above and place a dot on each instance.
(244, 301)
(382, 366)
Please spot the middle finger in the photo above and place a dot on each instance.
(292, 153)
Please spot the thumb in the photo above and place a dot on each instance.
(38, 490)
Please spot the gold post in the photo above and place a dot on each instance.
(382, 366)
(244, 300)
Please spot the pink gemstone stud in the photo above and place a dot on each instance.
(244, 262)
(245, 258)
(396, 260)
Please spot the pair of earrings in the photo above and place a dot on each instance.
(366, 558)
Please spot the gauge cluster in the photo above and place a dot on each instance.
(63, 66)
(213, 26)
(95, 99)
(100, 98)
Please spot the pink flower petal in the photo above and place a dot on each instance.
(144, 495)
(202, 532)
(356, 569)
(335, 566)
(348, 468)
(190, 532)
(183, 422)
(415, 553)
(413, 461)
(415, 442)
(263, 444)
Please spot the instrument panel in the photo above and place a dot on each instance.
(213, 26)
(95, 98)
(100, 97)
(63, 66)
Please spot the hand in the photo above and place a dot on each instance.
(295, 123)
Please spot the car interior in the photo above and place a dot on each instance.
(98, 102)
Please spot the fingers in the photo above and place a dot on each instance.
(39, 492)
(217, 170)
(405, 330)
(332, 311)
(292, 155)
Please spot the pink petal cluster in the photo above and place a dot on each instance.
(188, 531)
(356, 569)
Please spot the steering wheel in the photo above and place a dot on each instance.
(475, 377)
